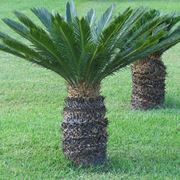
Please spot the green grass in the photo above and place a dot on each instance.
(142, 145)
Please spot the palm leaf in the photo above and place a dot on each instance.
(39, 39)
(104, 20)
(44, 16)
(70, 11)
(90, 17)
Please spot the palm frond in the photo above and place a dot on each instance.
(104, 20)
(63, 35)
(90, 17)
(70, 11)
(41, 41)
(44, 16)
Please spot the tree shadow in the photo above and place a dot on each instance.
(172, 103)
(139, 164)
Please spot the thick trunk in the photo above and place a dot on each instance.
(148, 78)
(84, 126)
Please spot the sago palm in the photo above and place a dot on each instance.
(148, 75)
(83, 51)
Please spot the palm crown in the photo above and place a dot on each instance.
(170, 24)
(84, 49)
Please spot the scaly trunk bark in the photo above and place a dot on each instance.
(84, 126)
(148, 78)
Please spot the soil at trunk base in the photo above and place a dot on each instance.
(85, 130)
(148, 78)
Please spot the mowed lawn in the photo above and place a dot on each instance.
(142, 145)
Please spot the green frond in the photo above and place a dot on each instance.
(40, 40)
(11, 51)
(104, 20)
(44, 16)
(70, 11)
(17, 27)
(90, 17)
(32, 59)
(63, 35)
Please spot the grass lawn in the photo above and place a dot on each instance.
(142, 145)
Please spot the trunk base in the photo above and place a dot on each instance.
(84, 131)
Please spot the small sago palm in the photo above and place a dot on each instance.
(148, 75)
(83, 51)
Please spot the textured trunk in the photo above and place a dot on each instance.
(84, 126)
(148, 78)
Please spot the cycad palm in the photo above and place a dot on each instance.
(148, 75)
(83, 51)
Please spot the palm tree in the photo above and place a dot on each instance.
(148, 75)
(83, 51)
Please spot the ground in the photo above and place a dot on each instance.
(142, 145)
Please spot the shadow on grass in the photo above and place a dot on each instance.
(49, 159)
(172, 103)
(125, 165)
